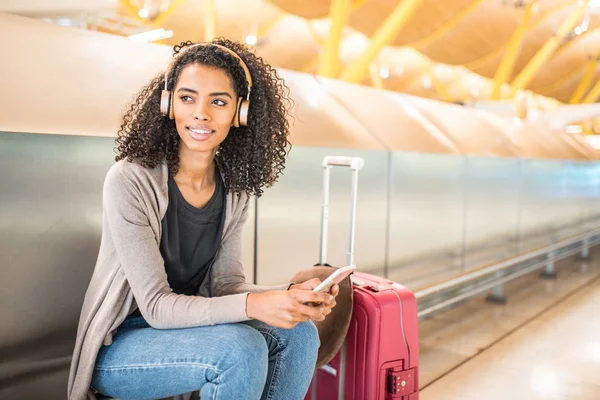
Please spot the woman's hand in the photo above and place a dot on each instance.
(328, 304)
(285, 309)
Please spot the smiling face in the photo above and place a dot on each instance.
(204, 104)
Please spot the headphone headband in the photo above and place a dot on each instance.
(225, 49)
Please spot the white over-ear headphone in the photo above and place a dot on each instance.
(243, 105)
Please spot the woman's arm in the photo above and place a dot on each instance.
(128, 207)
(270, 304)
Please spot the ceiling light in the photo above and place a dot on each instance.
(584, 25)
(251, 40)
(384, 72)
(151, 36)
(580, 29)
(594, 141)
(574, 129)
(64, 22)
(144, 13)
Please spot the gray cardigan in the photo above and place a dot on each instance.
(130, 273)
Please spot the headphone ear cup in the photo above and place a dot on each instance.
(166, 108)
(236, 117)
(171, 108)
(242, 113)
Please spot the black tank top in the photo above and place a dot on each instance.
(191, 237)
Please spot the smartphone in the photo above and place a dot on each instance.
(334, 278)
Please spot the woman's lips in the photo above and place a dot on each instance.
(200, 133)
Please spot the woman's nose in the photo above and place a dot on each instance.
(202, 111)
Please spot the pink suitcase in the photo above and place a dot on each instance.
(380, 357)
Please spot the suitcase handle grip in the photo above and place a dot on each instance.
(355, 163)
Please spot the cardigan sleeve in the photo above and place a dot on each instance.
(127, 205)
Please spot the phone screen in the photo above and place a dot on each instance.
(334, 278)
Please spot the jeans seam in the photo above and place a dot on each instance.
(273, 383)
(148, 366)
(274, 378)
(216, 382)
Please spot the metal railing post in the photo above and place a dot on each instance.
(497, 297)
(549, 272)
(585, 250)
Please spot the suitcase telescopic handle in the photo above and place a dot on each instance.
(355, 164)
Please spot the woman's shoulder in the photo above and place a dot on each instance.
(133, 174)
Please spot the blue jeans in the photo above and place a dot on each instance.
(249, 360)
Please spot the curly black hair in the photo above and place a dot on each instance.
(251, 157)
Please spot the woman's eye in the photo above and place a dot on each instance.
(219, 102)
(185, 99)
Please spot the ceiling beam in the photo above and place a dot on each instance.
(266, 28)
(375, 75)
(439, 87)
(330, 62)
(210, 20)
(573, 73)
(447, 26)
(592, 95)
(386, 33)
(548, 49)
(458, 80)
(584, 84)
(482, 61)
(356, 4)
(318, 39)
(513, 49)
(131, 10)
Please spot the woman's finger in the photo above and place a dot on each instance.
(331, 303)
(335, 290)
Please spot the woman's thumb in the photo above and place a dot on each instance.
(311, 283)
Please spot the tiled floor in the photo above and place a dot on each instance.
(544, 344)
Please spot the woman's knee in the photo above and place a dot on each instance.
(246, 349)
(305, 336)
(244, 365)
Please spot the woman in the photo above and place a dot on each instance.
(168, 310)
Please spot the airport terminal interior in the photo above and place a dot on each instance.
(479, 125)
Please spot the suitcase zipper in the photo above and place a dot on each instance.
(402, 327)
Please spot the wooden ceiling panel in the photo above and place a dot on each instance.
(564, 89)
(472, 33)
(490, 26)
(571, 58)
(305, 8)
(533, 40)
(427, 18)
(236, 19)
(289, 29)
